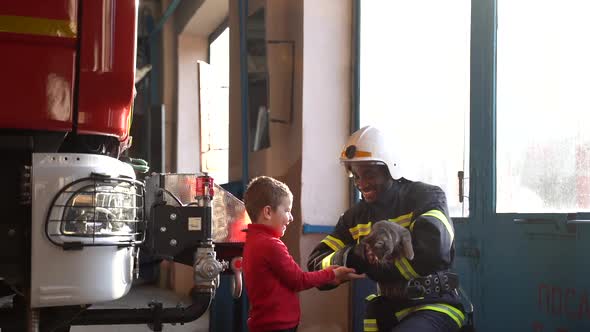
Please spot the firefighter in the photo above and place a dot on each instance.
(413, 295)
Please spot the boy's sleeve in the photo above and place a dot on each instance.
(289, 273)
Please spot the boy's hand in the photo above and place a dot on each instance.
(343, 273)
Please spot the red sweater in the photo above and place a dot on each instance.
(273, 279)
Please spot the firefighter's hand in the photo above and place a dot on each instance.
(343, 274)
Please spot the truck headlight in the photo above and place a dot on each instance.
(97, 211)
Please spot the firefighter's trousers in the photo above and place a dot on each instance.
(380, 316)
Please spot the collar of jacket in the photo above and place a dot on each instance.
(390, 194)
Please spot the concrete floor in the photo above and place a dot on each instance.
(139, 297)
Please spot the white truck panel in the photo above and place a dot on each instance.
(73, 277)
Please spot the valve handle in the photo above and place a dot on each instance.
(236, 267)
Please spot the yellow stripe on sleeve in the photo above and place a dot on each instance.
(440, 216)
(327, 261)
(334, 243)
(405, 268)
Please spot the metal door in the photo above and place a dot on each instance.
(532, 270)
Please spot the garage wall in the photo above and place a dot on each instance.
(303, 153)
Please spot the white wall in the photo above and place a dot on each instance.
(326, 105)
(327, 81)
(190, 49)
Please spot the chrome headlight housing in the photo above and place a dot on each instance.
(97, 211)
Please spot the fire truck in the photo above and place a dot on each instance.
(76, 216)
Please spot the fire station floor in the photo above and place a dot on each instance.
(139, 297)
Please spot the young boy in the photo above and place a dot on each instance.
(271, 275)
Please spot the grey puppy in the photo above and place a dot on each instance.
(388, 241)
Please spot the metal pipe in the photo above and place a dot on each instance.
(154, 315)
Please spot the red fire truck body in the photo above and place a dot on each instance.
(59, 74)
(76, 215)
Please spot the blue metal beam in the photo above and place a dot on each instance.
(243, 15)
(167, 14)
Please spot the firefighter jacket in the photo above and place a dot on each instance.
(420, 207)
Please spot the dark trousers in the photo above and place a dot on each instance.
(379, 309)
(426, 321)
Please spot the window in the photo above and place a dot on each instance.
(543, 109)
(214, 92)
(414, 85)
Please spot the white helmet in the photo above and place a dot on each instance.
(369, 145)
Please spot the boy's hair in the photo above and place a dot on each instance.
(263, 191)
